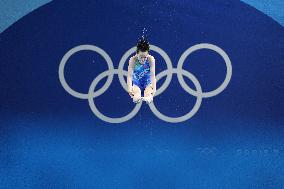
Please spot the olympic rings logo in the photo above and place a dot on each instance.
(198, 93)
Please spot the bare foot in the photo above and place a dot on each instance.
(147, 99)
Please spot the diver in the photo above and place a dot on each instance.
(141, 73)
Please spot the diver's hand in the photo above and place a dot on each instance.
(130, 91)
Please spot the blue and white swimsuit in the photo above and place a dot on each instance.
(141, 74)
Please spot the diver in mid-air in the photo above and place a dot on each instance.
(141, 73)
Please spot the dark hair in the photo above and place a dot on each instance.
(143, 45)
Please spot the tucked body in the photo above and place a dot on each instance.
(141, 78)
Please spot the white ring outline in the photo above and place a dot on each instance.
(97, 112)
(193, 110)
(64, 61)
(220, 52)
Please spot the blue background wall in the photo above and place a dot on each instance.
(50, 139)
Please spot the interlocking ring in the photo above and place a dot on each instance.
(199, 94)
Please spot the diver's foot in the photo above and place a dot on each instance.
(147, 99)
(137, 100)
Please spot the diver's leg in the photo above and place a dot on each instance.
(136, 93)
(148, 97)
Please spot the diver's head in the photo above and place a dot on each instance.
(143, 48)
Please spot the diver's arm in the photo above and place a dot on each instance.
(129, 74)
(153, 76)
